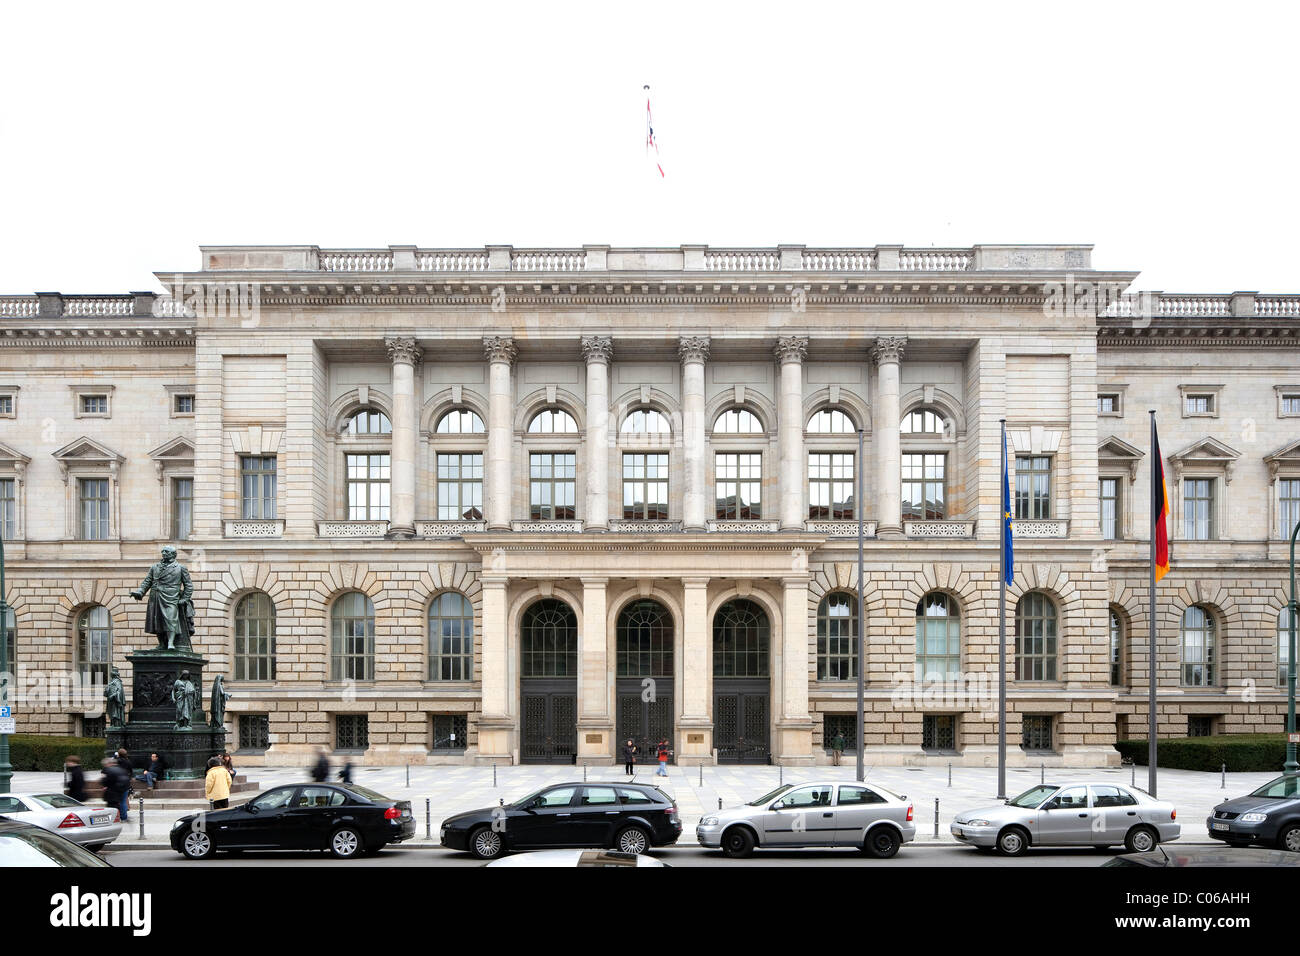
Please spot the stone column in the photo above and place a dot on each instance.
(694, 725)
(597, 350)
(595, 727)
(500, 352)
(694, 352)
(405, 356)
(795, 725)
(790, 353)
(888, 352)
(496, 725)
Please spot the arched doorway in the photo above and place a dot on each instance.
(644, 635)
(741, 683)
(548, 683)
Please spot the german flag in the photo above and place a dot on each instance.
(1159, 506)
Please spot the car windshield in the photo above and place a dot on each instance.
(37, 848)
(769, 796)
(1288, 786)
(55, 801)
(1032, 797)
(367, 793)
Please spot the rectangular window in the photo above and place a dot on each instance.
(1109, 495)
(1288, 500)
(352, 731)
(92, 727)
(1291, 403)
(1198, 509)
(939, 732)
(450, 733)
(254, 731)
(460, 487)
(1200, 725)
(1198, 404)
(6, 406)
(182, 508)
(183, 404)
(839, 725)
(1036, 732)
(552, 486)
(1033, 487)
(368, 487)
(93, 495)
(739, 481)
(924, 487)
(8, 508)
(94, 404)
(645, 487)
(1108, 404)
(830, 485)
(257, 486)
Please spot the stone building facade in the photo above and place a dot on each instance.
(520, 505)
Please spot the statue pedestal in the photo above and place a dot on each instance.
(151, 724)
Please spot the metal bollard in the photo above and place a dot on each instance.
(408, 776)
(1223, 777)
(584, 773)
(494, 776)
(139, 812)
(1133, 774)
(1042, 774)
(719, 803)
(428, 821)
(936, 818)
(950, 773)
(781, 769)
(701, 775)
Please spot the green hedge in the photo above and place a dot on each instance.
(1241, 752)
(33, 752)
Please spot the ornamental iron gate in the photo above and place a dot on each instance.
(550, 727)
(740, 725)
(645, 722)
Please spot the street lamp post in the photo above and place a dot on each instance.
(1291, 766)
(6, 769)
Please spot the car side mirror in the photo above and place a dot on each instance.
(779, 805)
(1051, 805)
(250, 808)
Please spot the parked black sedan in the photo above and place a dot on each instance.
(629, 817)
(1270, 816)
(343, 818)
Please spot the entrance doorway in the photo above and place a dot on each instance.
(548, 642)
(644, 636)
(742, 683)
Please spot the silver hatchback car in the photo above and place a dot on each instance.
(831, 814)
(1078, 814)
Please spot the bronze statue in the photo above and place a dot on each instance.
(186, 697)
(217, 702)
(115, 700)
(171, 607)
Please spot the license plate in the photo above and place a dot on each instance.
(98, 818)
(1219, 826)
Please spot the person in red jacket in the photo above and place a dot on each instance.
(664, 753)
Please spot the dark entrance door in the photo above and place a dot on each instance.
(548, 686)
(644, 691)
(740, 721)
(644, 722)
(550, 722)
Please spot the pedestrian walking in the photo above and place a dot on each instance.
(321, 772)
(664, 754)
(124, 805)
(229, 764)
(75, 777)
(837, 748)
(629, 758)
(115, 783)
(345, 774)
(216, 785)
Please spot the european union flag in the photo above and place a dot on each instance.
(1008, 553)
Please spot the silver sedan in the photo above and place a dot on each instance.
(829, 814)
(1078, 814)
(91, 827)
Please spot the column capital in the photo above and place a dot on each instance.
(597, 349)
(403, 350)
(594, 582)
(693, 348)
(500, 348)
(888, 348)
(695, 582)
(791, 348)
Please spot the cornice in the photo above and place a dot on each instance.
(47, 337)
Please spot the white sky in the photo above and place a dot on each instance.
(1165, 134)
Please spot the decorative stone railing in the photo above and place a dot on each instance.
(253, 528)
(548, 261)
(1052, 528)
(452, 260)
(1194, 305)
(547, 527)
(840, 529)
(360, 260)
(98, 305)
(839, 260)
(650, 526)
(447, 529)
(351, 529)
(743, 525)
(935, 260)
(742, 260)
(939, 529)
(1277, 305)
(19, 306)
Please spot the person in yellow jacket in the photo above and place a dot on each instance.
(216, 786)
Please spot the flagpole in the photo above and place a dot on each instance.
(1151, 621)
(1002, 627)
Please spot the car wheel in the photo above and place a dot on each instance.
(486, 843)
(197, 845)
(346, 843)
(1289, 839)
(1013, 841)
(882, 842)
(737, 843)
(1141, 839)
(632, 840)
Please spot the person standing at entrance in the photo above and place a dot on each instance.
(216, 786)
(664, 753)
(837, 748)
(629, 758)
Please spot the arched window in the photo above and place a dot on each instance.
(1036, 638)
(548, 640)
(94, 645)
(1197, 648)
(368, 421)
(451, 637)
(552, 421)
(922, 421)
(645, 421)
(938, 638)
(460, 421)
(837, 637)
(737, 421)
(352, 638)
(1116, 650)
(255, 637)
(740, 640)
(1283, 643)
(831, 421)
(11, 638)
(645, 640)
